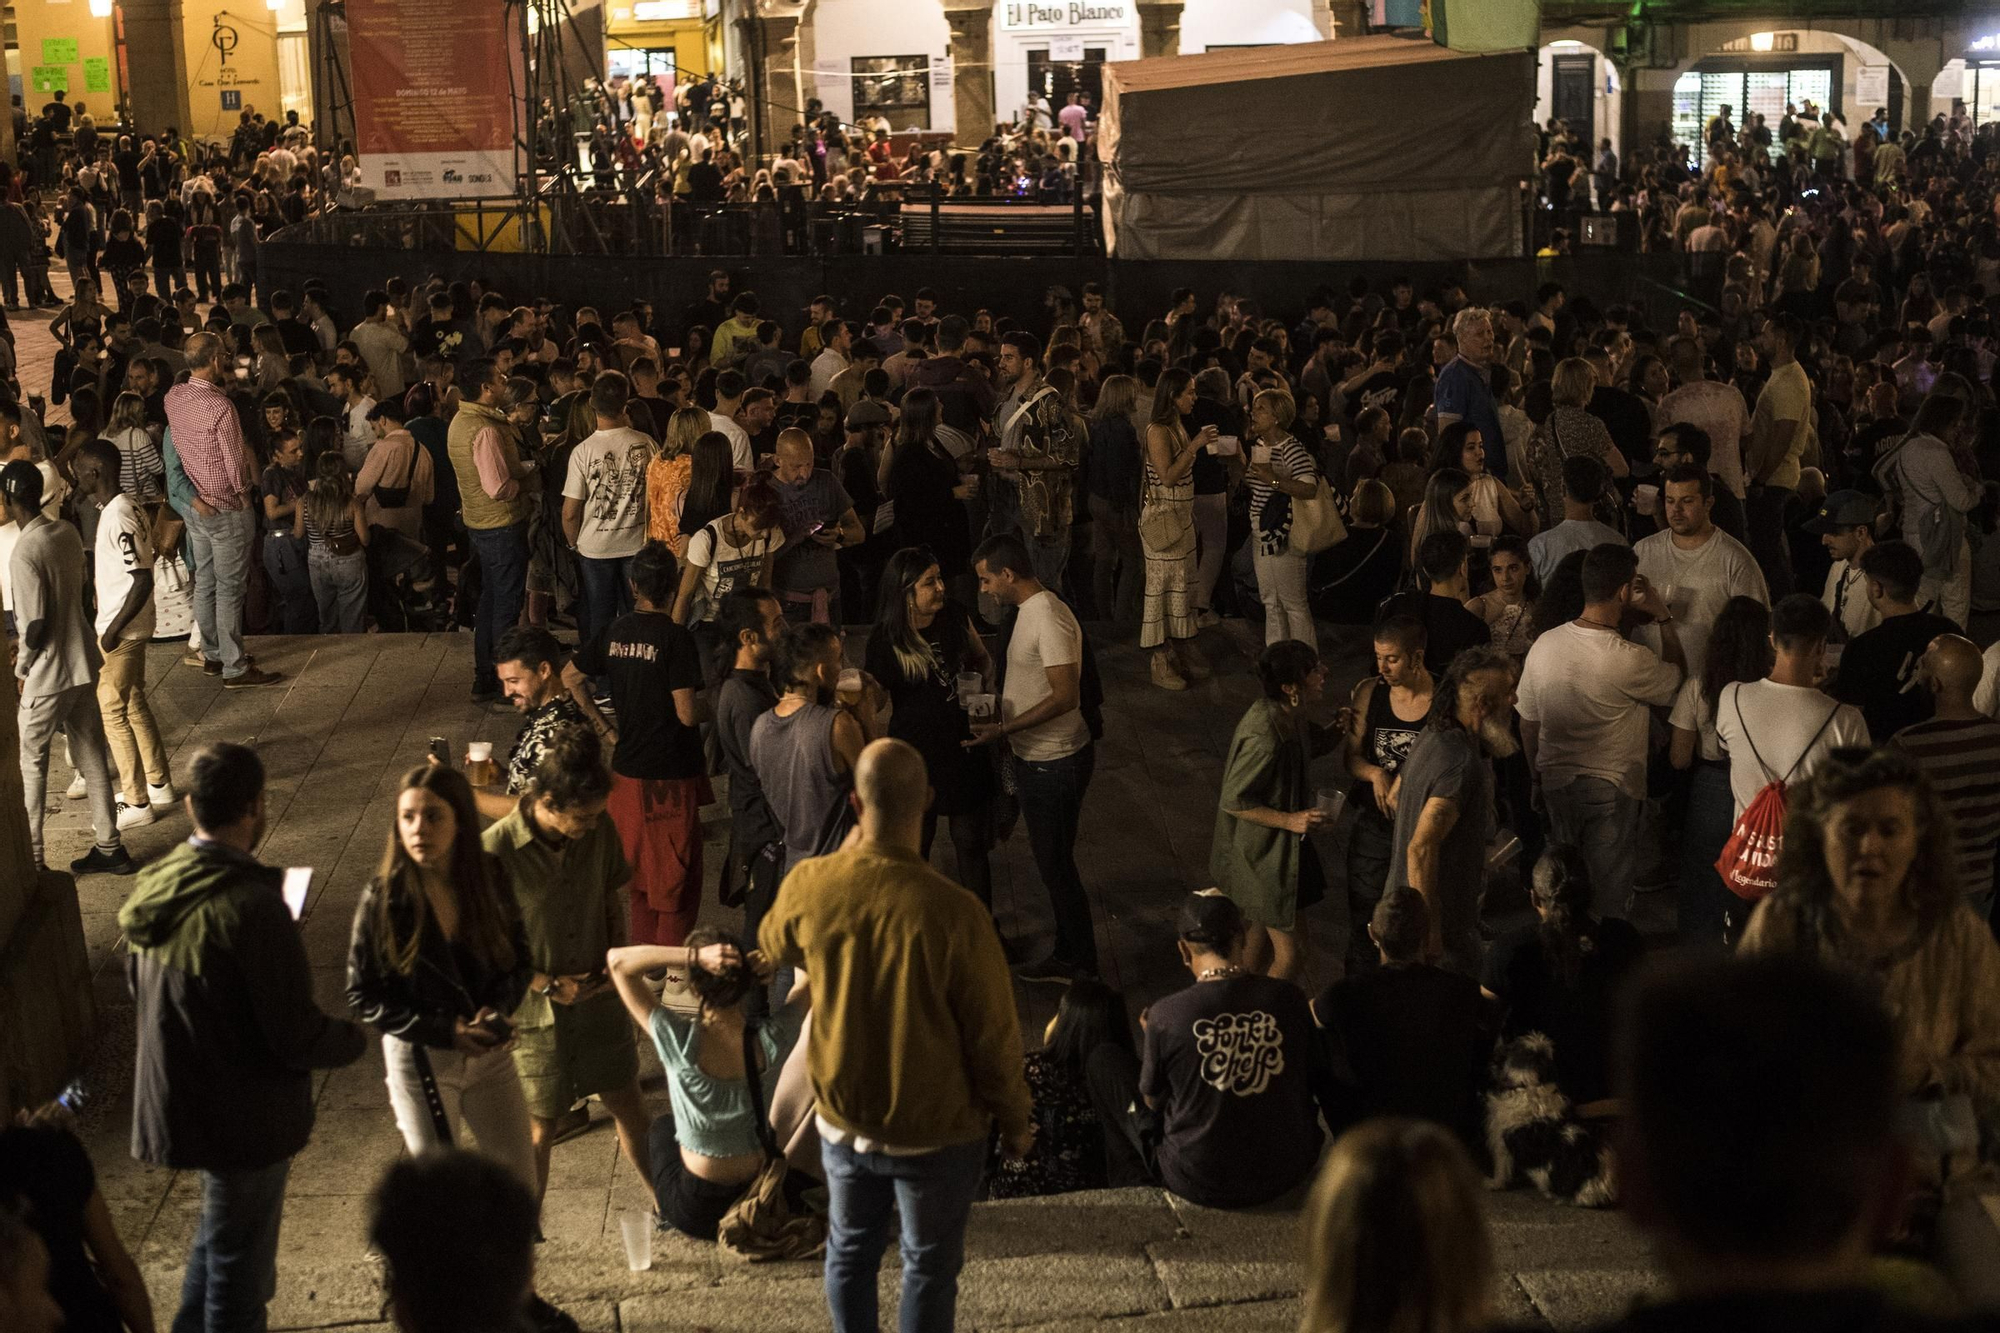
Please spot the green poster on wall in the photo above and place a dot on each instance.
(58, 50)
(97, 74)
(51, 79)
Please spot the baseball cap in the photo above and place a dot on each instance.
(1210, 917)
(867, 412)
(22, 481)
(1844, 509)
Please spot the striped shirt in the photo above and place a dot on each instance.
(208, 437)
(142, 471)
(1962, 761)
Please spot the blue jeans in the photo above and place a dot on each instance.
(503, 583)
(340, 588)
(1597, 818)
(222, 545)
(232, 1271)
(1051, 796)
(291, 584)
(933, 1194)
(607, 593)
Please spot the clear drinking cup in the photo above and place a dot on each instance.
(636, 1226)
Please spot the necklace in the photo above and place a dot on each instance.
(1595, 624)
(1218, 973)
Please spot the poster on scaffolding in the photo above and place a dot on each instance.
(433, 112)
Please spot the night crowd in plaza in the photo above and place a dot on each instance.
(1691, 614)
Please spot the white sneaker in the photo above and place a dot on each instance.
(135, 816)
(164, 794)
(76, 790)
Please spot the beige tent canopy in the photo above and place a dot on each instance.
(1360, 149)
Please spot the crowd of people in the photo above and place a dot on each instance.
(1691, 610)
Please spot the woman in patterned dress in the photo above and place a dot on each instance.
(1166, 534)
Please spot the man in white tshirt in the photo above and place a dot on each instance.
(1779, 728)
(1716, 407)
(729, 387)
(123, 570)
(604, 504)
(1846, 527)
(1696, 566)
(1585, 696)
(836, 336)
(1042, 721)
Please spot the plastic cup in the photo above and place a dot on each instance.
(980, 706)
(968, 685)
(849, 688)
(1646, 499)
(1260, 453)
(1225, 446)
(479, 752)
(1331, 801)
(636, 1226)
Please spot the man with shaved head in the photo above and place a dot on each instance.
(1958, 749)
(819, 519)
(915, 1050)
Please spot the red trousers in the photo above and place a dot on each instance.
(659, 823)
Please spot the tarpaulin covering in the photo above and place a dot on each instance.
(1361, 149)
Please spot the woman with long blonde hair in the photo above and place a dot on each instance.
(1395, 1235)
(667, 477)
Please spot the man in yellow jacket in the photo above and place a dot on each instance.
(915, 1052)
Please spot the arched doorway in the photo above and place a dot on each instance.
(1577, 83)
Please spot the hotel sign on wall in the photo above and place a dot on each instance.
(1042, 15)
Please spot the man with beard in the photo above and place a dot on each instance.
(1444, 808)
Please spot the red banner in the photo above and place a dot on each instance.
(433, 115)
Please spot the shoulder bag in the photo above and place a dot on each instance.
(1316, 521)
(1166, 525)
(762, 1225)
(396, 497)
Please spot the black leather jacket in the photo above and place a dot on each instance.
(424, 1006)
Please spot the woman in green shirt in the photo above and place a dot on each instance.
(1263, 857)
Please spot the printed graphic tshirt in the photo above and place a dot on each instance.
(607, 471)
(1230, 1065)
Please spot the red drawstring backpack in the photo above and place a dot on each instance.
(1749, 861)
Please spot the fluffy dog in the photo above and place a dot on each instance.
(1532, 1131)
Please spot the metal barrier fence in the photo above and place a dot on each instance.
(633, 224)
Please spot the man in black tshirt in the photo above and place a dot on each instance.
(1878, 668)
(1407, 1039)
(749, 621)
(659, 778)
(1233, 1068)
(1449, 628)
